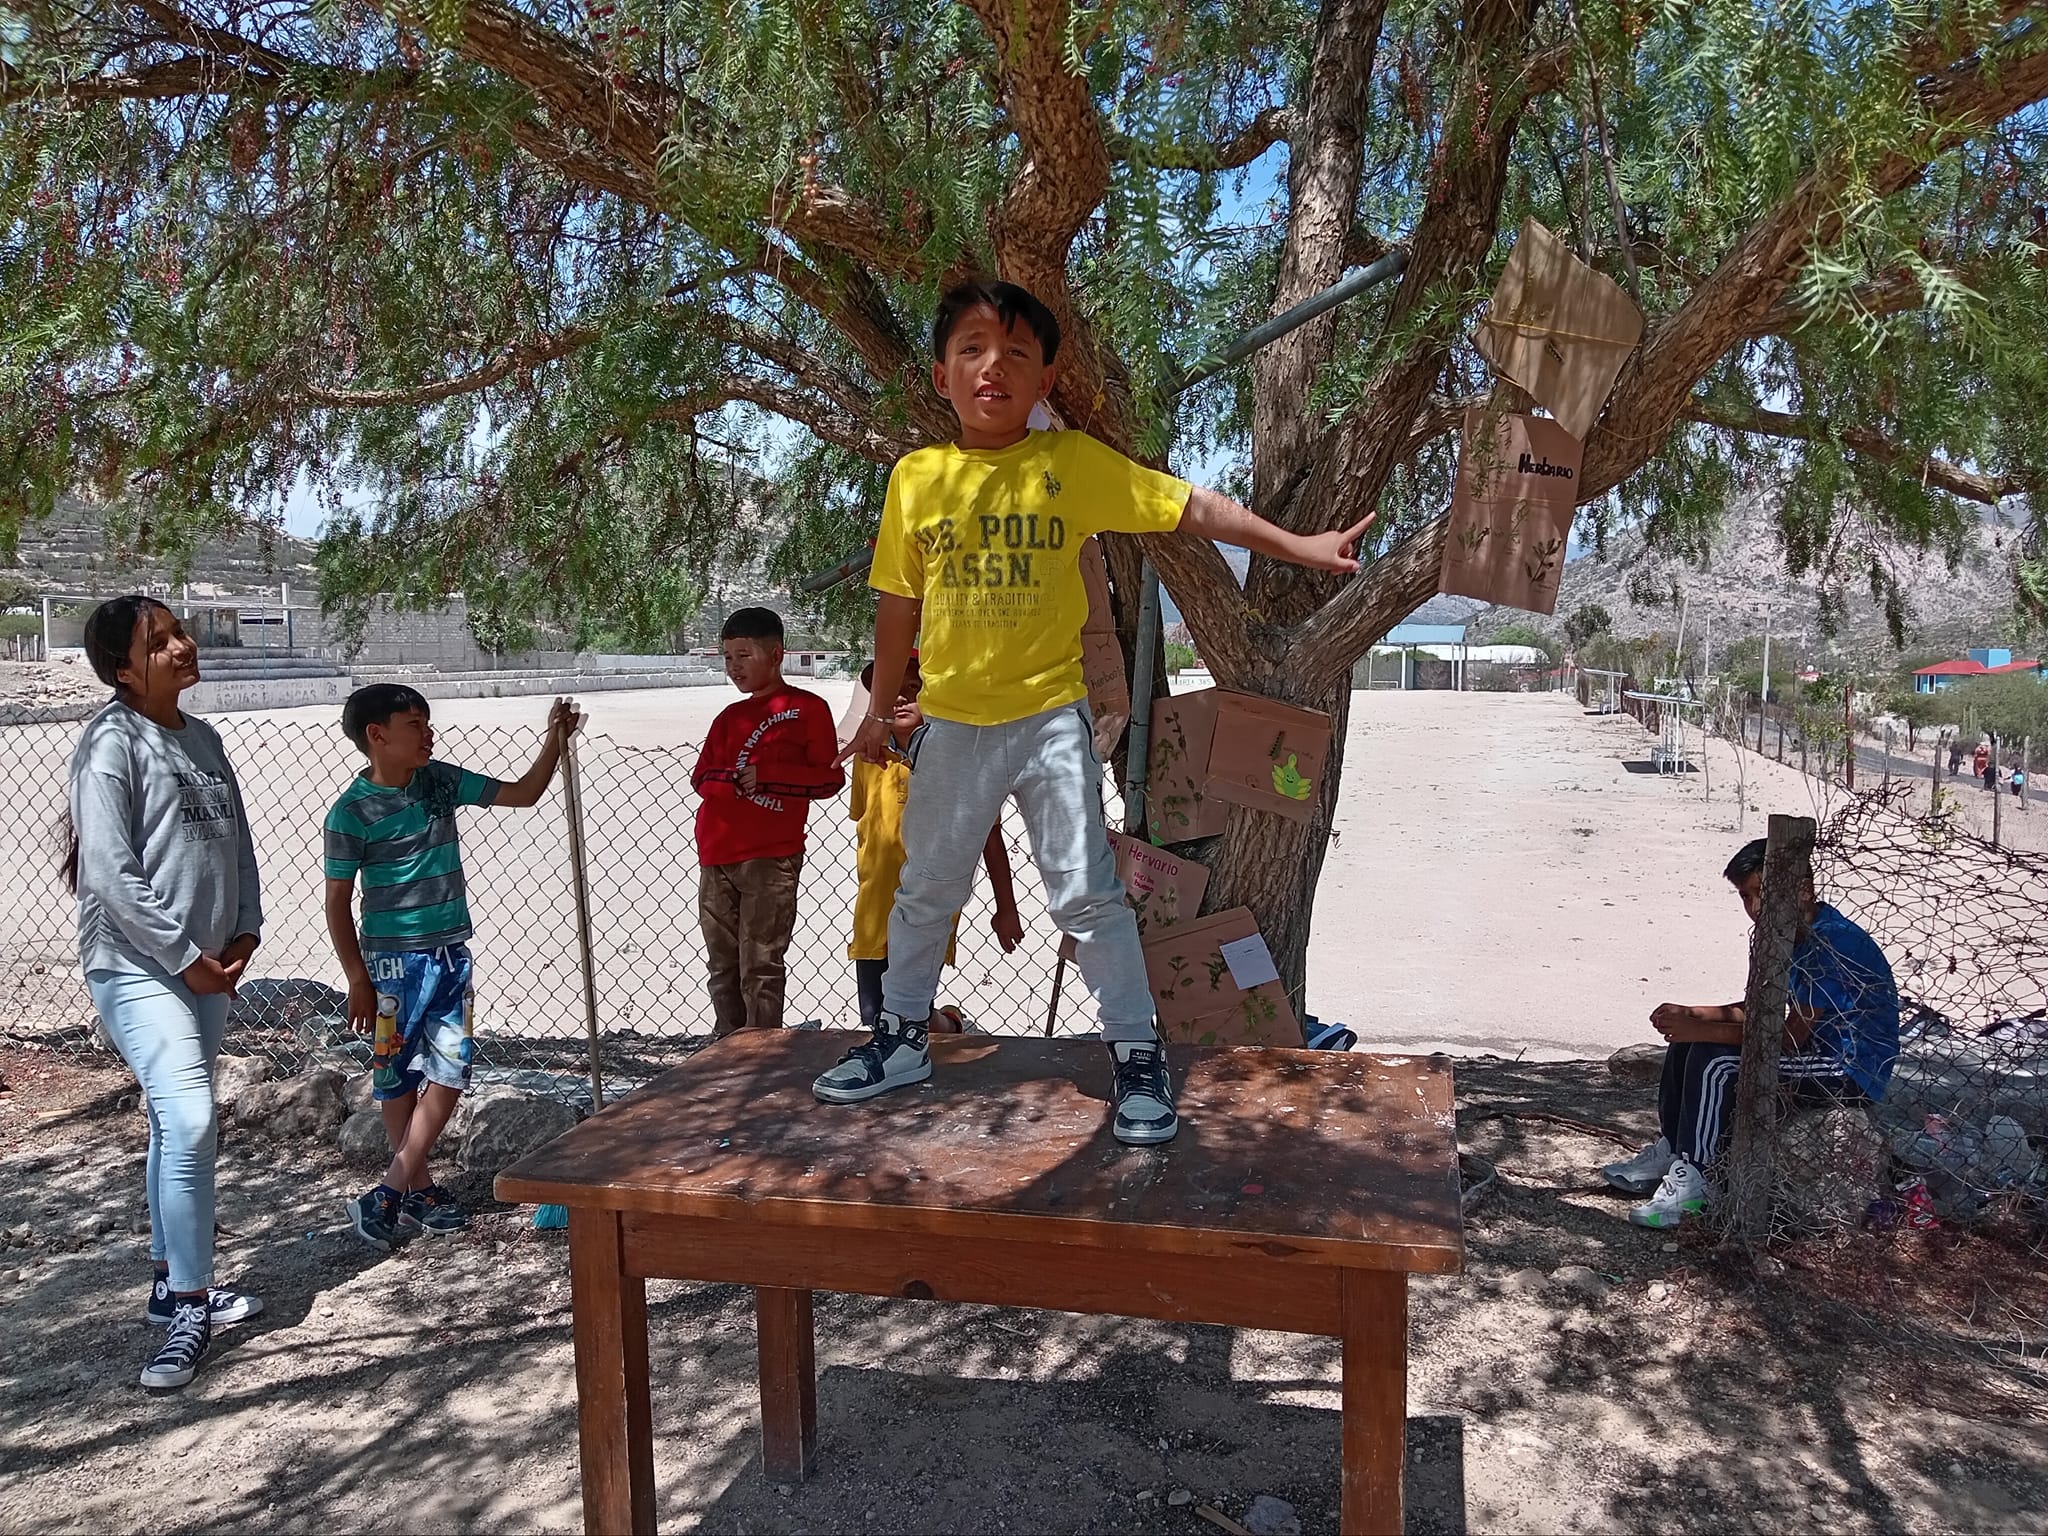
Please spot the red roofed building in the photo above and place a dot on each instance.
(1987, 661)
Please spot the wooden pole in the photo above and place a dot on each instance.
(2026, 778)
(1997, 800)
(579, 882)
(1788, 877)
(1849, 735)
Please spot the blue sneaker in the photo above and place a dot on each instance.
(433, 1212)
(374, 1215)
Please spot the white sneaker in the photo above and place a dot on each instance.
(1640, 1174)
(1682, 1193)
(895, 1056)
(1143, 1089)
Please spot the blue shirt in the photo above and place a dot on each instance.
(1842, 977)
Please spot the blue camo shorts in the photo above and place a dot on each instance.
(423, 1031)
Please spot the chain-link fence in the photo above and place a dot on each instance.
(1959, 1138)
(647, 958)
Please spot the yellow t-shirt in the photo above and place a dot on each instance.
(989, 540)
(880, 791)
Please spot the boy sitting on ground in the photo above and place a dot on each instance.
(1841, 1039)
(980, 544)
(409, 973)
(764, 761)
(876, 806)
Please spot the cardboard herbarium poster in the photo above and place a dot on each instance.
(1558, 328)
(1268, 755)
(1161, 888)
(1178, 805)
(1511, 513)
(1215, 984)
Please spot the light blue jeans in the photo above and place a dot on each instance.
(959, 779)
(170, 1037)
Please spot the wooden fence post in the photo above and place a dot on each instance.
(1997, 800)
(1752, 1163)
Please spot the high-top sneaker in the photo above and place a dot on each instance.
(1145, 1115)
(895, 1056)
(184, 1346)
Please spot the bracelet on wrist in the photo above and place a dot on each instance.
(882, 719)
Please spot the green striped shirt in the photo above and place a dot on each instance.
(402, 842)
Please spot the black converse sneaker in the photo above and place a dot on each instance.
(222, 1304)
(894, 1057)
(1144, 1093)
(184, 1347)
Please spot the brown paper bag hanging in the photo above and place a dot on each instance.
(1511, 514)
(1558, 328)
(1162, 889)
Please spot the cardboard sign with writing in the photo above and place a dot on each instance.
(1162, 889)
(1268, 755)
(1195, 985)
(1511, 514)
(1558, 328)
(1178, 804)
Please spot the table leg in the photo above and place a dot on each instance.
(1375, 1319)
(789, 1383)
(614, 1419)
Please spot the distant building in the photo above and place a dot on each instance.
(1983, 661)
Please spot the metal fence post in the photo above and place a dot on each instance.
(579, 880)
(1752, 1167)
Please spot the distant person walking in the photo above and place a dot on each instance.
(168, 916)
(2019, 784)
(1980, 765)
(1955, 756)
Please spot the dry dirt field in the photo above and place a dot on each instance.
(1580, 1376)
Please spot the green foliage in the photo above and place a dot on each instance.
(1586, 621)
(519, 364)
(2013, 706)
(1528, 634)
(1179, 657)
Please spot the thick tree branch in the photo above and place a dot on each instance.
(1274, 125)
(1865, 442)
(1324, 167)
(1370, 604)
(856, 437)
(1656, 385)
(511, 360)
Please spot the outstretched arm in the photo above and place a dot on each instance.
(1212, 515)
(527, 789)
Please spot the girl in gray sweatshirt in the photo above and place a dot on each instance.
(168, 916)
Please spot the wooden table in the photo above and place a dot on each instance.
(1302, 1191)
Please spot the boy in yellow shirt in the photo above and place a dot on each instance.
(876, 807)
(980, 547)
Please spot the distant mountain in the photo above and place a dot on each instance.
(71, 551)
(1744, 589)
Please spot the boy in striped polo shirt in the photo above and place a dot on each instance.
(409, 970)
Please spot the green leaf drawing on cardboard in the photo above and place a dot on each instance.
(1287, 780)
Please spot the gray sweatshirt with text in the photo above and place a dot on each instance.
(166, 867)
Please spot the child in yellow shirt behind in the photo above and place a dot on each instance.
(880, 791)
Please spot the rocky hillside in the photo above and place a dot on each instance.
(73, 551)
(1744, 588)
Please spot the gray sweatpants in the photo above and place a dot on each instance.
(958, 783)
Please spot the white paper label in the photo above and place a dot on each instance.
(1250, 962)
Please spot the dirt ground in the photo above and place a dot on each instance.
(1877, 1385)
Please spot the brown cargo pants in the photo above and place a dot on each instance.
(747, 912)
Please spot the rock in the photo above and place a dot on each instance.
(504, 1128)
(355, 1092)
(311, 1011)
(307, 1105)
(1770, 1268)
(1831, 1165)
(1659, 1290)
(1180, 1498)
(362, 1139)
(1637, 1063)
(1582, 1282)
(232, 1074)
(1269, 1516)
(1524, 1282)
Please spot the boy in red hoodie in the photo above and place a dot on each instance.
(766, 759)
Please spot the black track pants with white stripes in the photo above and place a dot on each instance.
(1696, 1101)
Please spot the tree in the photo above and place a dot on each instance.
(1586, 621)
(2011, 707)
(536, 276)
(1528, 634)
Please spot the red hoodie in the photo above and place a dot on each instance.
(789, 738)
